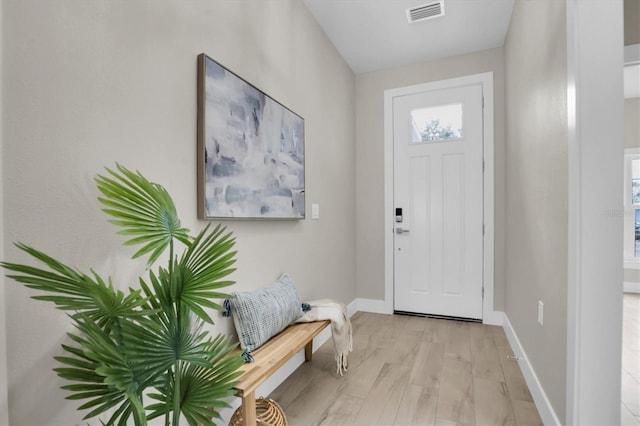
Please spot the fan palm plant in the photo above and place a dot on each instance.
(147, 343)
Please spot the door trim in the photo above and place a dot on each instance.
(489, 316)
(594, 312)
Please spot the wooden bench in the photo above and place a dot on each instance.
(270, 357)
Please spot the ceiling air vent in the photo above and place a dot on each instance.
(425, 11)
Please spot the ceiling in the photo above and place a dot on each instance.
(375, 34)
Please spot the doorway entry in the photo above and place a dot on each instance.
(439, 200)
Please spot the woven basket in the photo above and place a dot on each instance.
(268, 412)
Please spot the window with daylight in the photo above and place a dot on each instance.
(437, 124)
(632, 208)
(635, 181)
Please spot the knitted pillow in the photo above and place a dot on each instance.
(258, 315)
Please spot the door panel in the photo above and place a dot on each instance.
(420, 177)
(453, 223)
(438, 182)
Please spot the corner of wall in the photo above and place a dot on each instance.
(372, 305)
(493, 318)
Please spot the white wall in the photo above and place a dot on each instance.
(87, 84)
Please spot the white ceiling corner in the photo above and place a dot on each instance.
(374, 34)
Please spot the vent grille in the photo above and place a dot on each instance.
(425, 11)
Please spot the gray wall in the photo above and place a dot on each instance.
(4, 407)
(632, 275)
(370, 89)
(631, 22)
(87, 84)
(536, 189)
(632, 123)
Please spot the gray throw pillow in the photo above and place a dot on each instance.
(260, 314)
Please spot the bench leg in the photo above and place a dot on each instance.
(308, 350)
(249, 409)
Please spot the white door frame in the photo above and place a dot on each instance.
(594, 311)
(486, 80)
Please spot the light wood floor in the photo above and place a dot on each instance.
(630, 414)
(412, 371)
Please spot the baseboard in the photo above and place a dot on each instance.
(547, 414)
(493, 318)
(352, 307)
(631, 287)
(373, 306)
(285, 371)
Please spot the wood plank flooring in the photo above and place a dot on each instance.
(630, 406)
(412, 371)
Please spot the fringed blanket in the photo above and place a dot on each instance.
(327, 309)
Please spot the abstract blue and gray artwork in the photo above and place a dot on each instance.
(254, 151)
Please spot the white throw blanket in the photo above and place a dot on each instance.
(327, 309)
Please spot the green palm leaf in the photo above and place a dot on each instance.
(157, 345)
(203, 386)
(151, 338)
(144, 209)
(91, 368)
(158, 298)
(201, 270)
(73, 291)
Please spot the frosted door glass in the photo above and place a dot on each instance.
(436, 124)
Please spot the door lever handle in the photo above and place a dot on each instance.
(401, 231)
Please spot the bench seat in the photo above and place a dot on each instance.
(270, 357)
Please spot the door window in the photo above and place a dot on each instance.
(437, 124)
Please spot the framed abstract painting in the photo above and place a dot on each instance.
(250, 150)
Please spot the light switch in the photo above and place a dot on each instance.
(315, 211)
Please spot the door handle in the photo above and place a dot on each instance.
(400, 231)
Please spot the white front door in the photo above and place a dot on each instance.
(438, 198)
